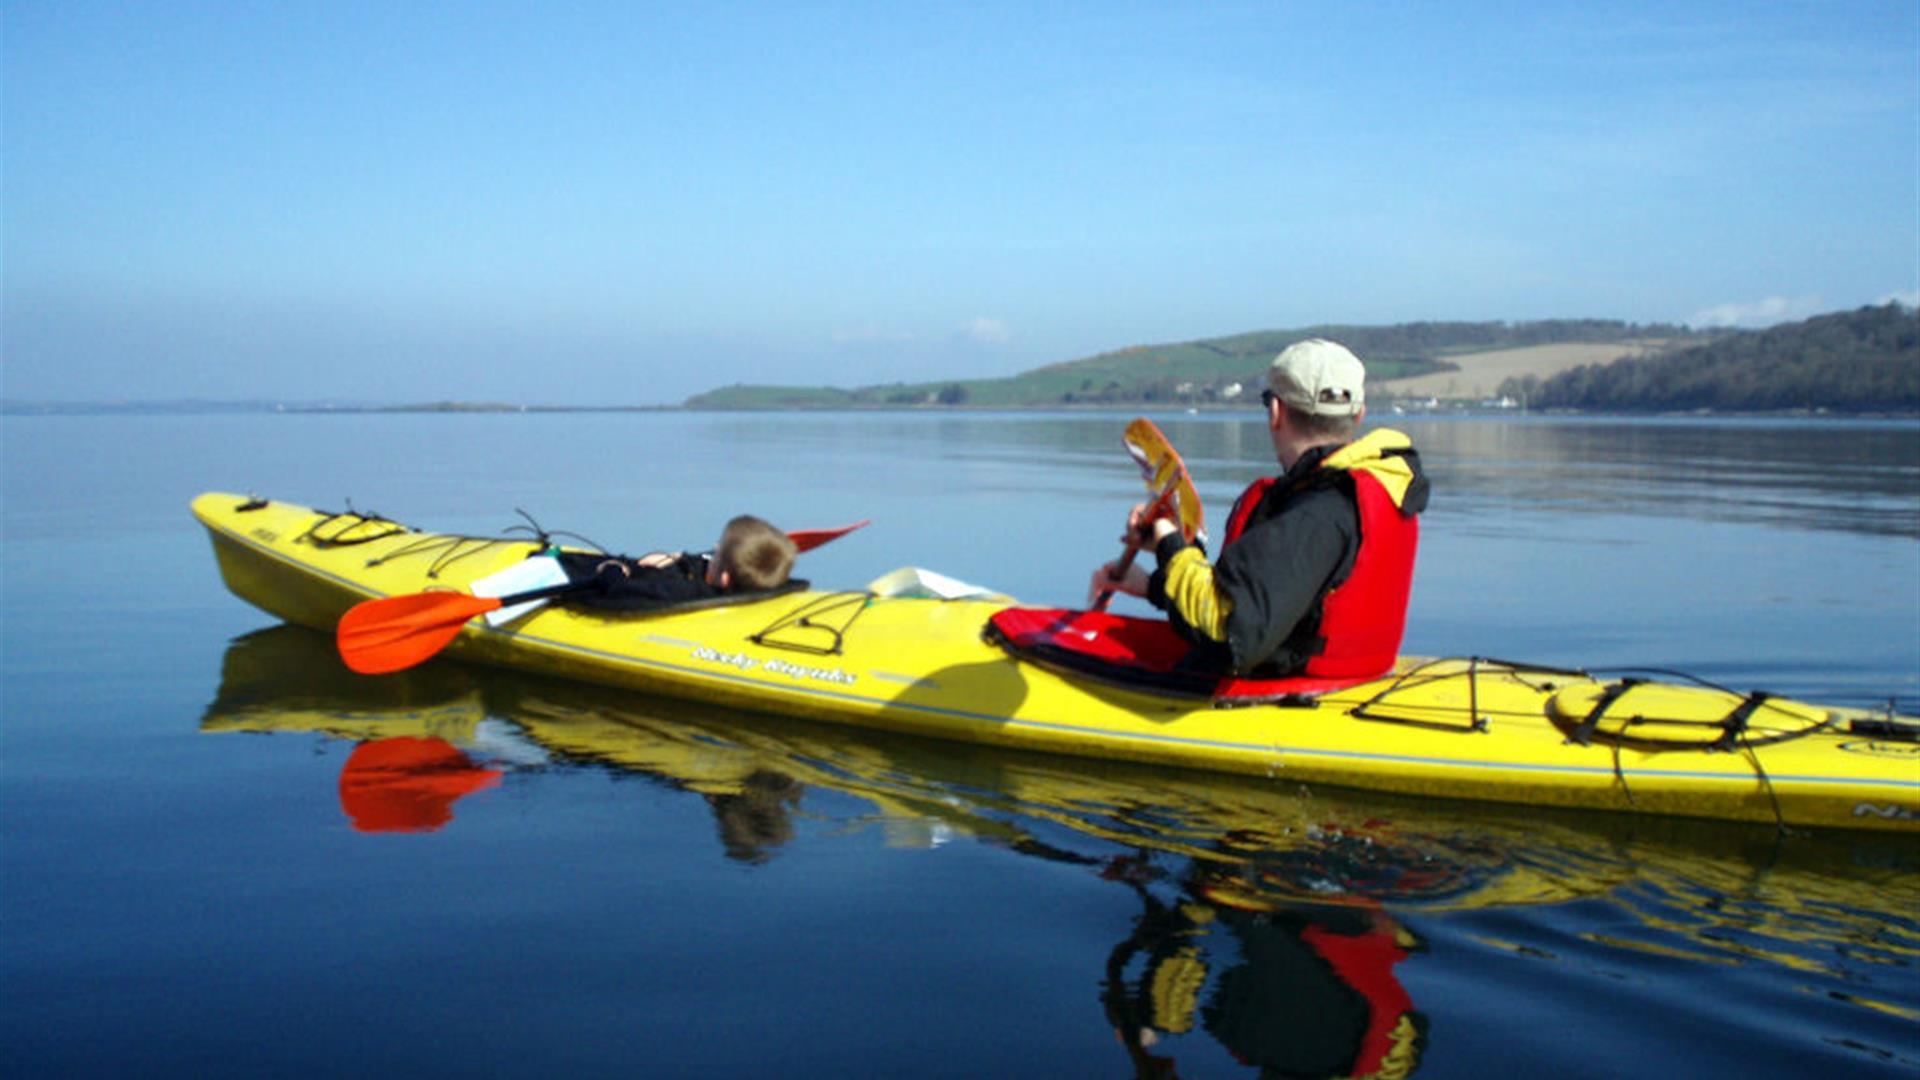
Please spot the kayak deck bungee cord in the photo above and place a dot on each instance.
(1460, 728)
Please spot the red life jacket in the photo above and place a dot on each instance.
(1362, 618)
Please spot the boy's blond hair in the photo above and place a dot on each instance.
(754, 554)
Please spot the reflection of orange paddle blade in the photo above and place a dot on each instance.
(407, 784)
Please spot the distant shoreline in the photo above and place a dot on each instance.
(1842, 364)
(1380, 413)
(212, 408)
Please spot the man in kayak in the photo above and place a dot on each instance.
(1317, 563)
(751, 556)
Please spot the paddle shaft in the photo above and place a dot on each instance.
(565, 588)
(1155, 510)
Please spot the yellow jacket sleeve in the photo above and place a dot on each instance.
(1191, 592)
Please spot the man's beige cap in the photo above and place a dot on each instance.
(1320, 378)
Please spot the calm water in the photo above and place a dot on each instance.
(203, 870)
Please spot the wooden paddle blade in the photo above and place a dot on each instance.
(1163, 471)
(1152, 451)
(396, 632)
(808, 539)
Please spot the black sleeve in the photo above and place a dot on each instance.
(624, 584)
(684, 580)
(1276, 572)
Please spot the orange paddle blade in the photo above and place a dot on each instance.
(397, 632)
(808, 539)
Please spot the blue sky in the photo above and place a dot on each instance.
(629, 203)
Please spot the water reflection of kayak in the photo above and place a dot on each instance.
(1274, 978)
(283, 679)
(1259, 842)
(408, 767)
(1459, 728)
(1262, 905)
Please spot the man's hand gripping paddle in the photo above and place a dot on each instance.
(394, 633)
(1173, 496)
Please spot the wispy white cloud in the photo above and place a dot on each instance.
(980, 330)
(1908, 298)
(1757, 313)
(985, 330)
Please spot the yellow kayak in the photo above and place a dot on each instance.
(1459, 728)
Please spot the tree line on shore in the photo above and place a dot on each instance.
(1867, 360)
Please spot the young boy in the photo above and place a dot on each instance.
(751, 556)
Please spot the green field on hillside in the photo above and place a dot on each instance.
(1208, 371)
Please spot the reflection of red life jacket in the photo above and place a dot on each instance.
(1366, 963)
(1362, 618)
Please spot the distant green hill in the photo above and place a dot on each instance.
(1856, 361)
(1194, 371)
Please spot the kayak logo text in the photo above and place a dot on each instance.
(774, 667)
